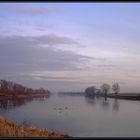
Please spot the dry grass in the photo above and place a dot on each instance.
(9, 129)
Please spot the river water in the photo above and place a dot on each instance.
(77, 115)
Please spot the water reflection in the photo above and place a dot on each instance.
(6, 104)
(61, 94)
(80, 116)
(90, 100)
(103, 101)
(116, 105)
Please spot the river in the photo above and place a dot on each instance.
(77, 116)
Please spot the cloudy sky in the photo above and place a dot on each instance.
(69, 46)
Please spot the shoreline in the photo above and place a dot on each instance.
(9, 129)
(23, 96)
(127, 96)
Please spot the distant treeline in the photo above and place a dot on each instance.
(9, 87)
(71, 93)
(104, 90)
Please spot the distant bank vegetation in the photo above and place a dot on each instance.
(104, 90)
(9, 87)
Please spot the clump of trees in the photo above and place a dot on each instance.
(90, 91)
(14, 88)
(104, 90)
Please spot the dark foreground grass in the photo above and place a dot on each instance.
(9, 129)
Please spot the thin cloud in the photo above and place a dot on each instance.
(19, 53)
(42, 29)
(53, 39)
(35, 11)
(105, 65)
(49, 39)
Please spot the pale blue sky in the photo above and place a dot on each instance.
(69, 46)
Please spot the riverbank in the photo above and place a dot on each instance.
(11, 90)
(23, 96)
(9, 129)
(126, 96)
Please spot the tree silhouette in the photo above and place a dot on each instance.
(4, 86)
(90, 91)
(14, 88)
(116, 88)
(105, 88)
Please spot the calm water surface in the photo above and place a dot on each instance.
(77, 115)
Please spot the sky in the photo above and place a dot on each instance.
(70, 46)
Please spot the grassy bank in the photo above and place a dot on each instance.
(9, 129)
(126, 96)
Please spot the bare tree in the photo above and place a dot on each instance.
(116, 88)
(10, 86)
(90, 91)
(105, 88)
(4, 86)
(14, 88)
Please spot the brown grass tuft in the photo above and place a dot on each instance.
(9, 129)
